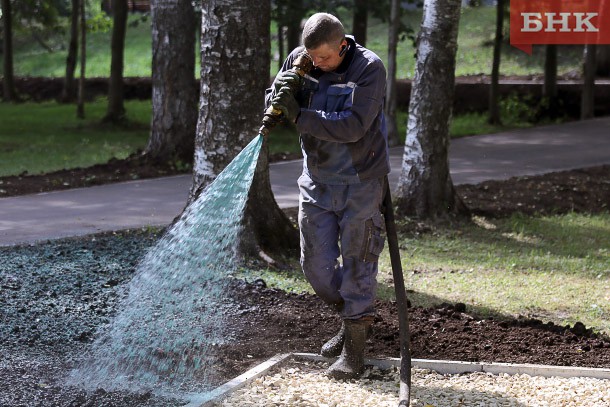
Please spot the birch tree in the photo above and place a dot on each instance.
(174, 94)
(235, 61)
(425, 188)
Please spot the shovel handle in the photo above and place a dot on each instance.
(401, 297)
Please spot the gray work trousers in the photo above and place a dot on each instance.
(342, 222)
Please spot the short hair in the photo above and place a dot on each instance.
(322, 28)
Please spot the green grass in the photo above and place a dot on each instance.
(477, 27)
(43, 137)
(33, 60)
(553, 268)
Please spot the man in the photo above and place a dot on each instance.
(338, 111)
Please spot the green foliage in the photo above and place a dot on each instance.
(99, 22)
(38, 14)
(515, 108)
(524, 110)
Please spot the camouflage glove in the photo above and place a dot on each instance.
(285, 101)
(287, 78)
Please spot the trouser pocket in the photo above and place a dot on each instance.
(373, 239)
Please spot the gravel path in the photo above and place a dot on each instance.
(304, 384)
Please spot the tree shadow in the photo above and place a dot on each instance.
(561, 241)
(425, 300)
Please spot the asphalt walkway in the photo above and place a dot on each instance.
(156, 202)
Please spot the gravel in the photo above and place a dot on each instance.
(304, 384)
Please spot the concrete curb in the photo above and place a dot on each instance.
(219, 393)
(457, 367)
(440, 366)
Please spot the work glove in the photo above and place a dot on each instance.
(287, 78)
(285, 101)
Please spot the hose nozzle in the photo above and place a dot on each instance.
(302, 65)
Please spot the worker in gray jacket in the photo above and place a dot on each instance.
(338, 111)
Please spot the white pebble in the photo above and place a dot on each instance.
(293, 387)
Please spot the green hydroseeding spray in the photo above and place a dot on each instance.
(171, 319)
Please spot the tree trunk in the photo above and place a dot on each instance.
(80, 104)
(174, 95)
(68, 93)
(494, 89)
(116, 108)
(234, 75)
(391, 99)
(280, 46)
(603, 61)
(425, 188)
(549, 90)
(587, 105)
(360, 21)
(9, 94)
(294, 17)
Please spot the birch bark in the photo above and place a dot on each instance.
(425, 188)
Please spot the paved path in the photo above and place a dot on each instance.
(31, 218)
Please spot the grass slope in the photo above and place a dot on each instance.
(476, 32)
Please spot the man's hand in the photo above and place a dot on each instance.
(285, 101)
(287, 78)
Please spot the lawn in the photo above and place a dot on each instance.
(44, 137)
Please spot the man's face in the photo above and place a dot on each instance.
(326, 56)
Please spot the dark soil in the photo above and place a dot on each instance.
(55, 295)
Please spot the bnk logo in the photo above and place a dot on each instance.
(559, 22)
(551, 22)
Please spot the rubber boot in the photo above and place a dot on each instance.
(350, 364)
(333, 347)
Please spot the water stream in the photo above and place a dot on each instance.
(171, 319)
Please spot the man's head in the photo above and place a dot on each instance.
(324, 40)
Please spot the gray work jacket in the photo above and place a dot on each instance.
(341, 122)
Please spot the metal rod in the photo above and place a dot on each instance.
(401, 298)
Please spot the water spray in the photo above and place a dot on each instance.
(171, 324)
